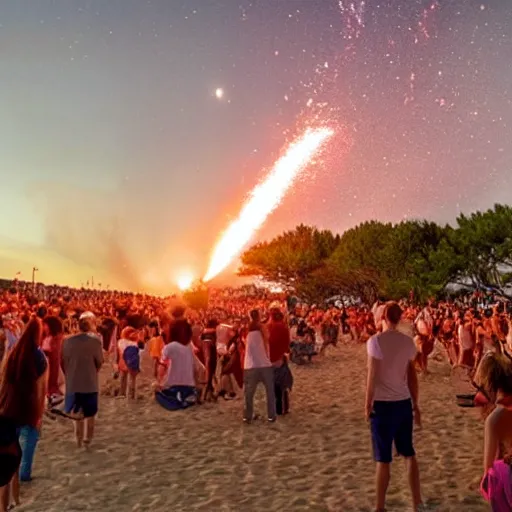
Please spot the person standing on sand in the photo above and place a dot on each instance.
(23, 380)
(52, 343)
(392, 403)
(82, 358)
(279, 348)
(258, 368)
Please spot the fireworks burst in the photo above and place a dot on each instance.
(265, 197)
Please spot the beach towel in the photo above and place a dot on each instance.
(496, 487)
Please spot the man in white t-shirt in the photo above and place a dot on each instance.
(392, 402)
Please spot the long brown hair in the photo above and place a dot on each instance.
(18, 377)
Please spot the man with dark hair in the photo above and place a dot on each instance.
(279, 348)
(392, 402)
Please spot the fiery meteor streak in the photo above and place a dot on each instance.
(265, 197)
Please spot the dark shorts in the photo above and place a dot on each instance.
(87, 403)
(10, 459)
(392, 422)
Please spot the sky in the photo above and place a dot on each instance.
(119, 159)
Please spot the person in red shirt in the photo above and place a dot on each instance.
(279, 347)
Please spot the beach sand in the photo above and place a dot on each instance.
(318, 458)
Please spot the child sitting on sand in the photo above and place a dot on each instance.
(495, 377)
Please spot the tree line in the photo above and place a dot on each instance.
(376, 259)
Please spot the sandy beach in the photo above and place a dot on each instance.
(318, 458)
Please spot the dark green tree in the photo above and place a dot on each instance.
(381, 259)
(291, 257)
(482, 246)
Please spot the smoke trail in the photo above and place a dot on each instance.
(265, 198)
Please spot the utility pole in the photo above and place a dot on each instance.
(34, 270)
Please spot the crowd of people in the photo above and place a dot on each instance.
(54, 340)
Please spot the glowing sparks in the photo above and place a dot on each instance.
(353, 14)
(265, 197)
(185, 281)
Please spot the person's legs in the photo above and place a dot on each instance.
(227, 386)
(250, 383)
(89, 430)
(382, 430)
(123, 383)
(28, 441)
(5, 495)
(413, 475)
(278, 392)
(381, 483)
(404, 446)
(267, 376)
(89, 404)
(132, 385)
(79, 432)
(15, 488)
(286, 401)
(73, 407)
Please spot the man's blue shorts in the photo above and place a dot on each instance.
(86, 403)
(392, 422)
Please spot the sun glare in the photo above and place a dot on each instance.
(184, 281)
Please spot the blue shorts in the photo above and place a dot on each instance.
(392, 421)
(87, 403)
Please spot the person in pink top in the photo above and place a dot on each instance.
(494, 375)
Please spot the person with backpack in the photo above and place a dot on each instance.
(129, 347)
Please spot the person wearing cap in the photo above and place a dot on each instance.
(82, 358)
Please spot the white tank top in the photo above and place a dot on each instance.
(255, 353)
